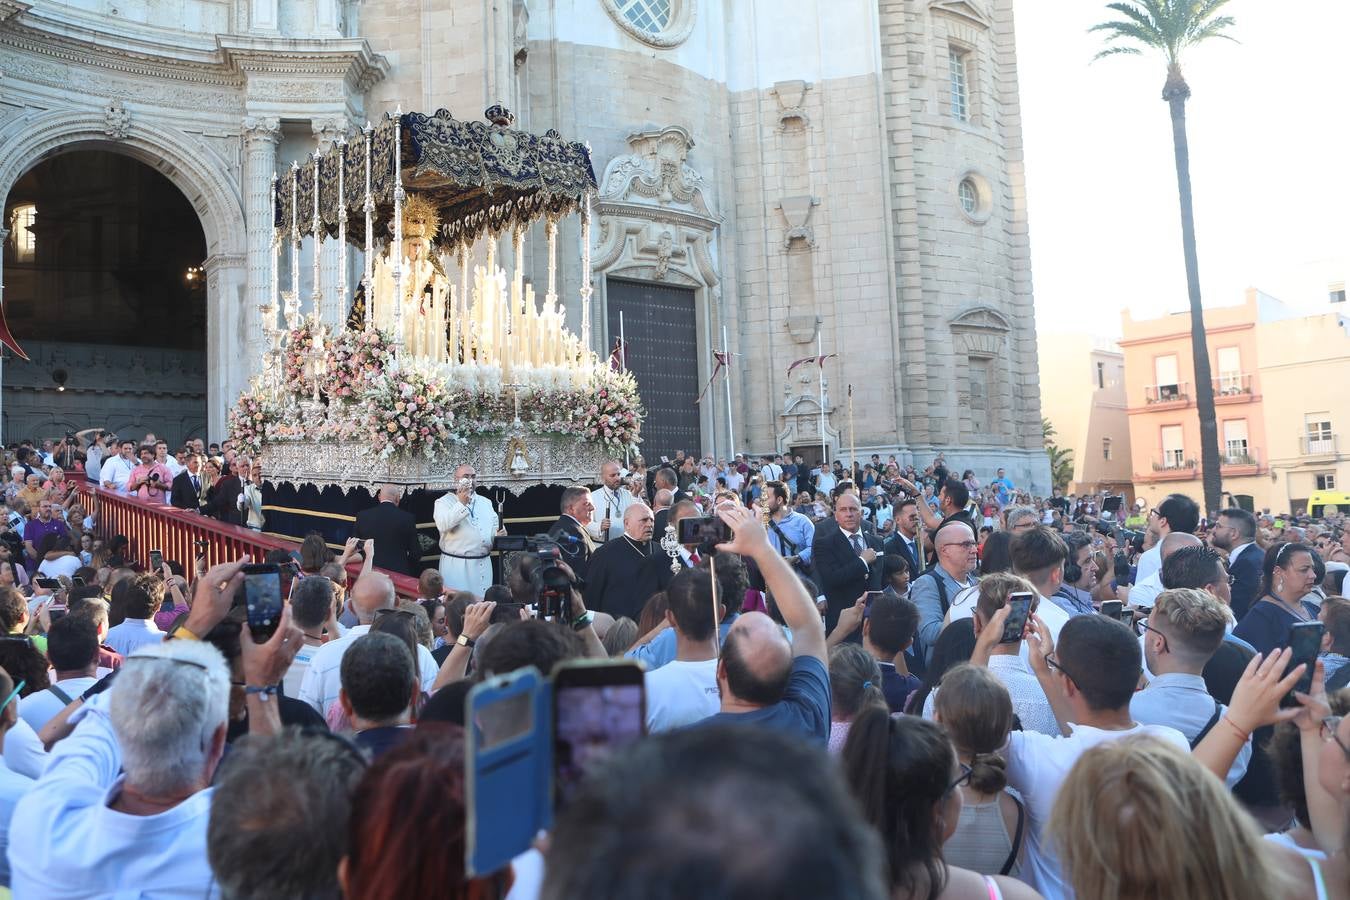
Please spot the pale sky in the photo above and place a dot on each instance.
(1269, 127)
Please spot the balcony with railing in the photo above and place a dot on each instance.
(1241, 461)
(1172, 465)
(1322, 444)
(1168, 395)
(1233, 388)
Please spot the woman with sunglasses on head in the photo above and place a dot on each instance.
(1288, 575)
(907, 779)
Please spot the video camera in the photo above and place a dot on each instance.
(539, 544)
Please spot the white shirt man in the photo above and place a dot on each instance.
(321, 682)
(133, 633)
(467, 523)
(681, 693)
(116, 472)
(824, 480)
(611, 500)
(772, 471)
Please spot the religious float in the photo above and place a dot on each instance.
(445, 357)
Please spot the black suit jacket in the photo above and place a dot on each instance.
(611, 586)
(1246, 572)
(576, 552)
(223, 498)
(182, 494)
(394, 531)
(897, 546)
(841, 574)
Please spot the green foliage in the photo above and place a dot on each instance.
(1061, 458)
(1170, 26)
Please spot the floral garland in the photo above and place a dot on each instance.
(409, 411)
(250, 422)
(615, 412)
(295, 359)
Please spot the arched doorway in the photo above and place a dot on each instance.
(105, 288)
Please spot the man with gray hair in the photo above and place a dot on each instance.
(1020, 518)
(122, 808)
(322, 683)
(572, 530)
(394, 531)
(278, 825)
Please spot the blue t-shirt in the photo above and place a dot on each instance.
(804, 709)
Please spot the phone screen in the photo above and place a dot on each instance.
(156, 560)
(867, 604)
(1017, 619)
(1305, 640)
(596, 709)
(262, 598)
(704, 530)
(1112, 608)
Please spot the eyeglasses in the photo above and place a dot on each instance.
(381, 613)
(1166, 649)
(12, 694)
(963, 778)
(1053, 663)
(964, 545)
(1329, 726)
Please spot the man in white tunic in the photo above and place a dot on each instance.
(611, 500)
(467, 523)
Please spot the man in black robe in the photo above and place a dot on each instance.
(611, 586)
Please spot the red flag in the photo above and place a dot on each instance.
(818, 360)
(7, 338)
(723, 360)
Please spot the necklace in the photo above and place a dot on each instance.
(1297, 611)
(634, 544)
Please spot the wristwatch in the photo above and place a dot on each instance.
(583, 621)
(465, 641)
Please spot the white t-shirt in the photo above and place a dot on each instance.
(40, 707)
(963, 607)
(681, 693)
(12, 787)
(1037, 766)
(322, 680)
(295, 675)
(62, 565)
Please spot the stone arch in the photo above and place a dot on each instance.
(202, 177)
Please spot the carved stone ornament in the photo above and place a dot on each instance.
(676, 30)
(791, 106)
(116, 120)
(797, 212)
(657, 169)
(802, 329)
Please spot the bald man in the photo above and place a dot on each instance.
(847, 559)
(611, 582)
(467, 523)
(611, 500)
(1143, 593)
(394, 531)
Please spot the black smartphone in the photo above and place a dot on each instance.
(262, 600)
(1113, 609)
(156, 561)
(1305, 642)
(1113, 503)
(51, 584)
(597, 708)
(867, 604)
(1122, 567)
(706, 531)
(1020, 603)
(56, 611)
(77, 581)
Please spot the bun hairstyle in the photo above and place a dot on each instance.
(976, 711)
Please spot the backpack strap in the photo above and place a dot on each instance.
(60, 694)
(1213, 720)
(1017, 838)
(941, 588)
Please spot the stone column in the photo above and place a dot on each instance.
(326, 132)
(261, 135)
(4, 236)
(227, 371)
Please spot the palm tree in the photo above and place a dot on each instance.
(1061, 458)
(1172, 27)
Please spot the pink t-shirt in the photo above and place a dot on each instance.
(149, 490)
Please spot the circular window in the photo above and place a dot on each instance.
(661, 23)
(974, 197)
(970, 196)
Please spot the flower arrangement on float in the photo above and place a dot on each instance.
(251, 420)
(408, 411)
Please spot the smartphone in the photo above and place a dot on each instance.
(1122, 568)
(156, 561)
(262, 599)
(507, 769)
(1305, 642)
(51, 584)
(704, 531)
(1020, 602)
(598, 707)
(57, 611)
(1113, 503)
(77, 581)
(867, 604)
(1113, 609)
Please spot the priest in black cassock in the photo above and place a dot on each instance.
(611, 586)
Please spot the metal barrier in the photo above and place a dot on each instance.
(183, 536)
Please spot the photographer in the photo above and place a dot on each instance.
(150, 480)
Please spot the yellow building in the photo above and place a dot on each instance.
(1279, 384)
(1083, 397)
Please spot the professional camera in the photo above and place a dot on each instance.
(553, 593)
(539, 544)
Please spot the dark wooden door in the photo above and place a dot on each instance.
(659, 326)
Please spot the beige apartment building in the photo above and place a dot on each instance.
(1280, 400)
(1083, 398)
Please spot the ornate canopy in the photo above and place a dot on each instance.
(481, 176)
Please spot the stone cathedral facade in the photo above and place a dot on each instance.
(794, 175)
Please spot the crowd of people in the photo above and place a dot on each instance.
(877, 682)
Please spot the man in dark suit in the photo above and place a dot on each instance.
(847, 560)
(1235, 536)
(614, 567)
(570, 529)
(907, 543)
(656, 572)
(394, 531)
(186, 491)
(223, 503)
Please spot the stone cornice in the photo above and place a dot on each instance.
(63, 35)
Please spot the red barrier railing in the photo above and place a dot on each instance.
(184, 536)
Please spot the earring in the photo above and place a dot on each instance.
(1279, 586)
